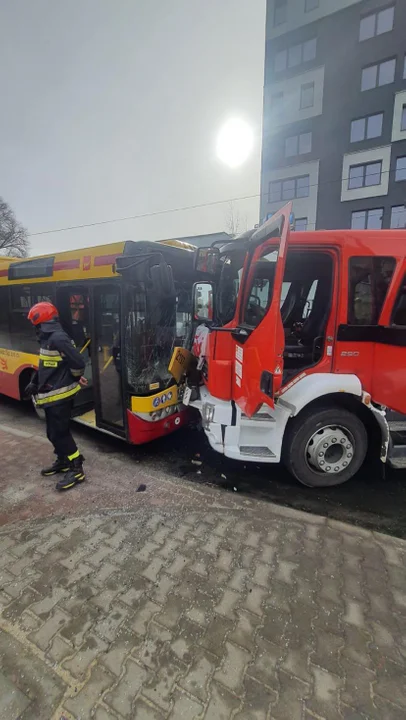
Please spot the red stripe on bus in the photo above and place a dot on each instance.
(104, 260)
(66, 265)
(3, 273)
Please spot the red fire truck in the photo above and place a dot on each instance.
(302, 348)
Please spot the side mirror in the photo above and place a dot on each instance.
(162, 280)
(203, 302)
(207, 260)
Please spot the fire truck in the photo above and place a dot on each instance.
(301, 348)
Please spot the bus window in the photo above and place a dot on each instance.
(24, 336)
(4, 319)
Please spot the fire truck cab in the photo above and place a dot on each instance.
(301, 346)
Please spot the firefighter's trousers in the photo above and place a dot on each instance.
(58, 429)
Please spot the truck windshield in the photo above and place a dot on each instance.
(153, 328)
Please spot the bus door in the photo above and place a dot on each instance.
(73, 303)
(107, 357)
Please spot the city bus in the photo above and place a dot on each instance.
(127, 307)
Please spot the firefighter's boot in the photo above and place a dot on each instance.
(61, 465)
(74, 476)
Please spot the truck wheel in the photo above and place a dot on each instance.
(325, 447)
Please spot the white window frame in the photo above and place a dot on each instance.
(362, 157)
(288, 180)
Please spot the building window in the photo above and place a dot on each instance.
(400, 172)
(311, 5)
(296, 55)
(307, 96)
(369, 280)
(367, 219)
(398, 217)
(301, 224)
(280, 12)
(289, 189)
(365, 175)
(298, 144)
(281, 60)
(377, 75)
(376, 23)
(403, 120)
(366, 128)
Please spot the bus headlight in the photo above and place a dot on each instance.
(207, 415)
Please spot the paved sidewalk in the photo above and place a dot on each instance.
(217, 614)
(189, 602)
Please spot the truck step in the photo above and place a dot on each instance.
(253, 451)
(397, 457)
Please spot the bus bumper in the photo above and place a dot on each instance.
(142, 431)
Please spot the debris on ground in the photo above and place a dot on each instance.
(141, 488)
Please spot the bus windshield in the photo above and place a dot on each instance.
(153, 328)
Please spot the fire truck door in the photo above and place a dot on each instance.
(258, 340)
(389, 370)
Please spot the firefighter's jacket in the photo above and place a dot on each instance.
(60, 366)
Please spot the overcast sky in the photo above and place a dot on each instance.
(110, 108)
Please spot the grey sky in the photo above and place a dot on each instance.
(110, 108)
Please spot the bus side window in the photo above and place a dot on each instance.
(399, 310)
(4, 319)
(369, 279)
(23, 336)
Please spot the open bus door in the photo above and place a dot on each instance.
(259, 337)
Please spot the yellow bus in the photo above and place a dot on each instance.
(127, 306)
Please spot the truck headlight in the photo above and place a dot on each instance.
(207, 414)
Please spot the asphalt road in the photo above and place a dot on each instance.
(374, 499)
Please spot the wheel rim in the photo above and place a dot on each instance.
(330, 450)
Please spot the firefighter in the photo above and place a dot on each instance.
(59, 378)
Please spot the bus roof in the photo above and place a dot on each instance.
(80, 264)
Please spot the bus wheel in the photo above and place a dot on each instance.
(38, 411)
(325, 447)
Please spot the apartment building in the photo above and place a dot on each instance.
(334, 128)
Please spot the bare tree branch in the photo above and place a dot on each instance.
(13, 236)
(234, 223)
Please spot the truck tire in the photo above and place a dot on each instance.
(324, 447)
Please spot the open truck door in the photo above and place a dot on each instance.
(259, 336)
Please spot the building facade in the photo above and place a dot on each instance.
(334, 128)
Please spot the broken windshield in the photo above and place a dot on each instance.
(153, 328)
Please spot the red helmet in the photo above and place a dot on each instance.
(42, 312)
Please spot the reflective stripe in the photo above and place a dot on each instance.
(76, 373)
(50, 353)
(59, 394)
(74, 456)
(54, 358)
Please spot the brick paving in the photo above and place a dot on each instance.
(195, 603)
